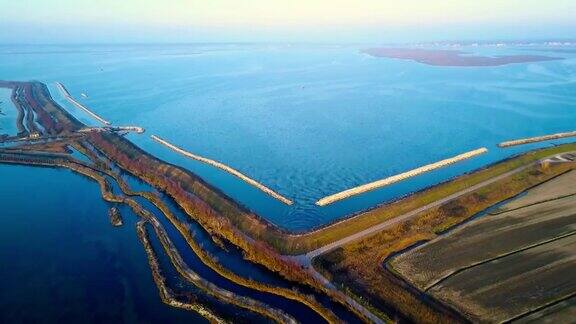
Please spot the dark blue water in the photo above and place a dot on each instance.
(309, 121)
(61, 250)
(233, 260)
(62, 261)
(181, 287)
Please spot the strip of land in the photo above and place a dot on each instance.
(556, 312)
(442, 57)
(355, 266)
(226, 168)
(504, 288)
(207, 206)
(220, 293)
(358, 265)
(554, 189)
(165, 294)
(530, 239)
(402, 218)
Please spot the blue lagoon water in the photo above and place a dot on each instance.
(308, 121)
(61, 261)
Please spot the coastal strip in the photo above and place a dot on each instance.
(399, 177)
(537, 139)
(213, 264)
(203, 255)
(226, 168)
(69, 97)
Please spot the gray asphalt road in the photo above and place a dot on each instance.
(329, 247)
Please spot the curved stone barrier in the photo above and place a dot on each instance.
(537, 139)
(402, 176)
(226, 168)
(210, 288)
(69, 97)
(165, 294)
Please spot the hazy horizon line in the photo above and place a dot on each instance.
(511, 41)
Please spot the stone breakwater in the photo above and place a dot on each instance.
(537, 139)
(226, 168)
(399, 177)
(69, 97)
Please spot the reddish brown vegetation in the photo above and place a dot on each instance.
(204, 205)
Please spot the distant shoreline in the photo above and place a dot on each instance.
(456, 58)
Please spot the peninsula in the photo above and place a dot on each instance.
(352, 270)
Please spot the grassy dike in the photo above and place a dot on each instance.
(176, 260)
(165, 293)
(211, 262)
(204, 256)
(166, 177)
(208, 208)
(361, 266)
(299, 244)
(259, 229)
(210, 288)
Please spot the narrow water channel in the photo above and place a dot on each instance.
(233, 259)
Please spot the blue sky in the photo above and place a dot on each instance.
(373, 21)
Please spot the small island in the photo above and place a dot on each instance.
(115, 217)
(443, 57)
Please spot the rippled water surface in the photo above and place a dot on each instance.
(308, 121)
